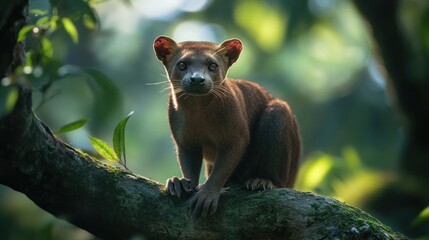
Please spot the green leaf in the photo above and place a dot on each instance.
(119, 137)
(104, 149)
(11, 99)
(53, 23)
(70, 29)
(38, 12)
(423, 217)
(91, 13)
(88, 22)
(72, 126)
(8, 97)
(42, 21)
(48, 50)
(24, 31)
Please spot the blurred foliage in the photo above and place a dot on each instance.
(94, 60)
(423, 217)
(8, 97)
(72, 126)
(345, 177)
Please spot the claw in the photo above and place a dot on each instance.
(204, 203)
(177, 186)
(259, 184)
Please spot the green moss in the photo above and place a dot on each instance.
(358, 224)
(83, 154)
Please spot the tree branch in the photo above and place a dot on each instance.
(113, 204)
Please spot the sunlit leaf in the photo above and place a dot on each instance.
(253, 14)
(38, 12)
(357, 186)
(29, 58)
(70, 29)
(8, 98)
(72, 126)
(351, 157)
(11, 99)
(42, 21)
(316, 171)
(423, 217)
(104, 149)
(53, 23)
(119, 137)
(88, 22)
(90, 13)
(48, 50)
(24, 31)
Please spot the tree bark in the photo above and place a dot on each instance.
(113, 204)
(13, 18)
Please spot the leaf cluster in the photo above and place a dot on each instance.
(117, 152)
(42, 68)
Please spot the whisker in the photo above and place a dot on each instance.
(221, 96)
(221, 83)
(156, 83)
(161, 82)
(226, 92)
(177, 89)
(221, 92)
(166, 88)
(215, 93)
(182, 94)
(220, 49)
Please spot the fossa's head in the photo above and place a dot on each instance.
(196, 68)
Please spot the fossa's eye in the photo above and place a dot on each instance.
(213, 67)
(182, 66)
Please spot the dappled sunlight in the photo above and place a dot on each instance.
(167, 9)
(264, 22)
(127, 18)
(361, 185)
(347, 178)
(313, 171)
(322, 63)
(198, 31)
(344, 178)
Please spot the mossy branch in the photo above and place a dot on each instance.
(113, 204)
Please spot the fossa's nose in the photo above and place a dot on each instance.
(197, 78)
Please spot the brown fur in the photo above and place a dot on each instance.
(244, 135)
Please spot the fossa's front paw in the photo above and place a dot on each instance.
(177, 186)
(204, 203)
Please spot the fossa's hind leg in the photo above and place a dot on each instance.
(275, 150)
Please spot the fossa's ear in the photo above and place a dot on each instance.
(231, 49)
(164, 48)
